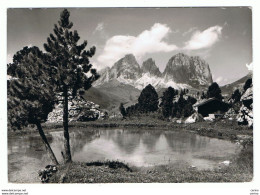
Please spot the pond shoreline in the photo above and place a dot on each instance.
(223, 129)
(101, 172)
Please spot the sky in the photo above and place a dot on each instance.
(221, 36)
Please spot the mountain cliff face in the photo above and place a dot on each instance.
(181, 71)
(189, 70)
(150, 67)
(126, 68)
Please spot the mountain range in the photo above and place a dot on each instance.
(181, 72)
(123, 82)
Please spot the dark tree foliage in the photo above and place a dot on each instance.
(187, 109)
(183, 107)
(191, 100)
(214, 91)
(247, 84)
(182, 92)
(167, 102)
(16, 68)
(236, 96)
(122, 110)
(203, 96)
(132, 110)
(175, 110)
(69, 64)
(148, 99)
(31, 94)
(181, 101)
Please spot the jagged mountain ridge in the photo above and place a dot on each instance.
(181, 71)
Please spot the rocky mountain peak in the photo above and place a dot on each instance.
(125, 68)
(181, 71)
(180, 59)
(188, 70)
(150, 67)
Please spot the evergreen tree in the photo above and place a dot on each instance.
(148, 99)
(167, 102)
(69, 62)
(122, 110)
(203, 96)
(191, 100)
(187, 109)
(181, 101)
(183, 107)
(214, 91)
(30, 93)
(175, 109)
(247, 84)
(236, 96)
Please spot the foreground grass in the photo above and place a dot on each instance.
(240, 170)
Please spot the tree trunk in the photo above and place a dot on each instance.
(66, 128)
(47, 145)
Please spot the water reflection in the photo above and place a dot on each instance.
(135, 147)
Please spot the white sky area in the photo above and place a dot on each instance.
(148, 41)
(222, 37)
(152, 41)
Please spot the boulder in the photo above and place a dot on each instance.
(195, 117)
(211, 117)
(79, 110)
(245, 115)
(247, 98)
(230, 114)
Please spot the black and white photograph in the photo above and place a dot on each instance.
(131, 95)
(107, 95)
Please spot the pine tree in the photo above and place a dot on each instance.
(167, 102)
(236, 96)
(187, 110)
(203, 96)
(247, 84)
(69, 63)
(148, 99)
(214, 91)
(30, 93)
(122, 110)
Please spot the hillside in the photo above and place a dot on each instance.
(230, 88)
(110, 95)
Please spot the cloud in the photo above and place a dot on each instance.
(189, 31)
(204, 39)
(149, 41)
(250, 66)
(219, 79)
(99, 27)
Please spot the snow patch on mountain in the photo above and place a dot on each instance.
(157, 82)
(181, 72)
